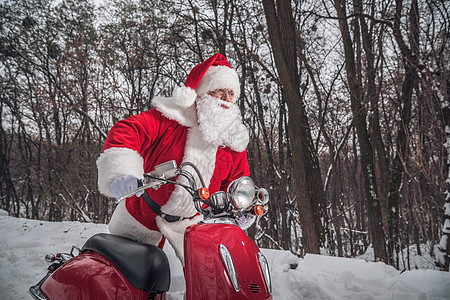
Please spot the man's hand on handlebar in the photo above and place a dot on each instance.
(124, 185)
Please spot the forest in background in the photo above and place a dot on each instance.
(347, 103)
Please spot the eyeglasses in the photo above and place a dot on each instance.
(222, 93)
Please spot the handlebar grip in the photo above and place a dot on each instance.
(140, 182)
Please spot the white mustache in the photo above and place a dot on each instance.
(225, 103)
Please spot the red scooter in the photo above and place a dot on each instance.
(221, 261)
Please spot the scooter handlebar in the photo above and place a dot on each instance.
(153, 184)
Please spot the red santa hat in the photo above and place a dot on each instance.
(212, 74)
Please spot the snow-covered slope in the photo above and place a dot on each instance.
(24, 243)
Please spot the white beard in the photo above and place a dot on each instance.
(217, 124)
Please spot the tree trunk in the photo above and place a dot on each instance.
(403, 132)
(370, 184)
(372, 97)
(306, 172)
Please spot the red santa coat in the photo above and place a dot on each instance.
(141, 142)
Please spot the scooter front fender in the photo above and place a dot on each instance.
(205, 272)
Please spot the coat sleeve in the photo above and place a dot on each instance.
(122, 150)
(240, 168)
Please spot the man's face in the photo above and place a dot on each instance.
(226, 95)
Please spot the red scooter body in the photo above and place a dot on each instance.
(90, 276)
(205, 272)
(221, 261)
(109, 267)
(113, 267)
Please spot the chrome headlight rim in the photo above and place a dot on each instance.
(237, 186)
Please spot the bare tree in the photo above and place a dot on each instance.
(306, 173)
(367, 164)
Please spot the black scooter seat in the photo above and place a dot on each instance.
(145, 266)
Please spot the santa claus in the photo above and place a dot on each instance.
(201, 124)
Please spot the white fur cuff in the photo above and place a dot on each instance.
(184, 96)
(117, 162)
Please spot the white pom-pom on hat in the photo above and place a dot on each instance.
(184, 96)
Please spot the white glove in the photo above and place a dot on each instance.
(240, 139)
(125, 184)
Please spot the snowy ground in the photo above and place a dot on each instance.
(24, 243)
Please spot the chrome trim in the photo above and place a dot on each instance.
(265, 270)
(235, 187)
(35, 290)
(229, 266)
(220, 220)
(50, 258)
(220, 201)
(262, 195)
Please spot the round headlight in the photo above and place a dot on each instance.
(220, 201)
(241, 192)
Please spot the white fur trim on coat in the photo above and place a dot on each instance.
(219, 77)
(174, 233)
(124, 224)
(180, 107)
(117, 162)
(202, 154)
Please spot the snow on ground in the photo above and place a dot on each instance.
(24, 243)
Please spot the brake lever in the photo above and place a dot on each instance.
(142, 187)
